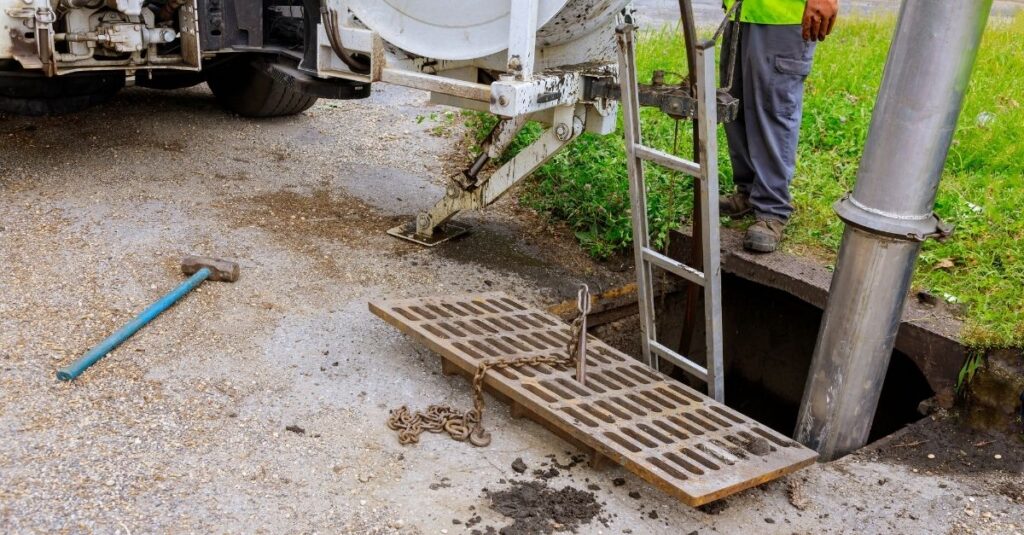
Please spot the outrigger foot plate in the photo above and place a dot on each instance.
(441, 234)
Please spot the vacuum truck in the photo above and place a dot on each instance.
(551, 61)
(277, 57)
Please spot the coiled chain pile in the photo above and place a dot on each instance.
(468, 425)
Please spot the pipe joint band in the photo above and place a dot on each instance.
(913, 229)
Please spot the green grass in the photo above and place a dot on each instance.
(982, 192)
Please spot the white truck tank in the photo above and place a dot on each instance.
(470, 29)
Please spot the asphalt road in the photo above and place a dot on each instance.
(185, 428)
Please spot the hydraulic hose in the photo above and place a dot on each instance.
(330, 20)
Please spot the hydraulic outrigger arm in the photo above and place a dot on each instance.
(599, 88)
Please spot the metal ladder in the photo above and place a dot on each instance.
(707, 173)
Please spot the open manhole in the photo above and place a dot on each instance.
(769, 339)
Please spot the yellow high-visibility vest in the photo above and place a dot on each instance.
(770, 11)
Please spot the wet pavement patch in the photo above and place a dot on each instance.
(537, 508)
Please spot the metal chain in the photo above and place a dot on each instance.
(468, 425)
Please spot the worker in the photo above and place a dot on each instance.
(776, 48)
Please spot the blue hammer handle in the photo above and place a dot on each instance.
(69, 373)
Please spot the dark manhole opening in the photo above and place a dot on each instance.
(902, 393)
(769, 338)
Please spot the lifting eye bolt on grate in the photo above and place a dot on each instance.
(578, 339)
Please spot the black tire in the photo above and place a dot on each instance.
(244, 86)
(31, 93)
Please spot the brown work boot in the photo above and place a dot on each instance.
(764, 235)
(735, 205)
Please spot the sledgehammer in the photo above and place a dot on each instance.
(200, 268)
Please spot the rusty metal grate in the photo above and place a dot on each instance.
(670, 435)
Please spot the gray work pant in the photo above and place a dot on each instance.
(770, 68)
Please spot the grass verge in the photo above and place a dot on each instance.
(981, 267)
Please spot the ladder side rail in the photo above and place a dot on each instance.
(707, 113)
(637, 190)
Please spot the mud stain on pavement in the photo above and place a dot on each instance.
(926, 446)
(537, 508)
(305, 223)
(522, 252)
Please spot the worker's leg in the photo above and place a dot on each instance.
(776, 62)
(736, 131)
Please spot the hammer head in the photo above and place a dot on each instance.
(220, 270)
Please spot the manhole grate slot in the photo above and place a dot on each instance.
(667, 433)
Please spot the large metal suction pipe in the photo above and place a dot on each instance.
(887, 217)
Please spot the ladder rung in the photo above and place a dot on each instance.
(686, 364)
(665, 159)
(674, 266)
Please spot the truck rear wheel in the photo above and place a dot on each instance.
(245, 86)
(31, 93)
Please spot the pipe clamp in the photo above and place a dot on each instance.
(914, 229)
